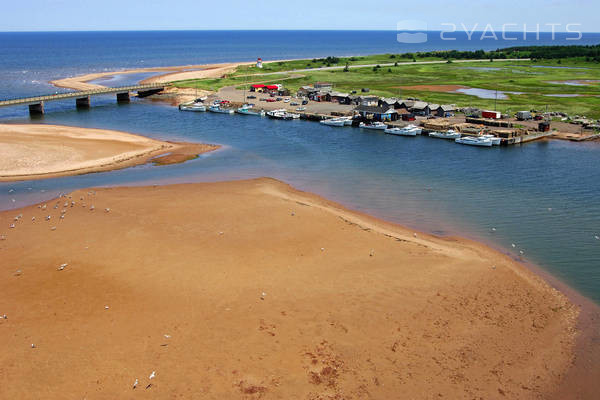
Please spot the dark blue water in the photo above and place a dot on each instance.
(542, 197)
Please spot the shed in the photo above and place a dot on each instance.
(377, 113)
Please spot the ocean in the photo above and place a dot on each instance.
(542, 197)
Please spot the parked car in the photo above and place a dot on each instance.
(304, 102)
(301, 109)
(286, 100)
(224, 102)
(538, 118)
(250, 97)
(279, 99)
(270, 100)
(293, 103)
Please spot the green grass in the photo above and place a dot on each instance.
(521, 76)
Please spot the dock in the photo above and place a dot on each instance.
(82, 98)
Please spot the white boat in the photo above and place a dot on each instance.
(198, 107)
(246, 111)
(218, 109)
(282, 114)
(450, 134)
(474, 141)
(495, 139)
(380, 126)
(403, 131)
(333, 122)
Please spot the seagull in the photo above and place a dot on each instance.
(167, 336)
(322, 248)
(11, 226)
(53, 228)
(62, 266)
(92, 207)
(33, 218)
(5, 316)
(597, 237)
(135, 384)
(107, 210)
(32, 346)
(2, 237)
(62, 216)
(414, 234)
(293, 213)
(48, 218)
(371, 253)
(106, 307)
(513, 245)
(493, 229)
(152, 375)
(11, 190)
(521, 252)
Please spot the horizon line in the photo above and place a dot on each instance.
(278, 30)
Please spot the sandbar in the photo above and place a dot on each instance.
(35, 151)
(252, 289)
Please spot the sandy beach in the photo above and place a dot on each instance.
(43, 151)
(252, 289)
(164, 74)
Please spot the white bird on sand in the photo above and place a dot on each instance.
(135, 383)
(152, 375)
(11, 226)
(414, 234)
(62, 266)
(322, 248)
(33, 218)
(53, 228)
(5, 316)
(62, 216)
(48, 218)
(106, 307)
(32, 346)
(167, 336)
(92, 207)
(371, 253)
(107, 210)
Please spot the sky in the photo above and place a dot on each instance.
(77, 15)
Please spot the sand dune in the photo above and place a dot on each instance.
(250, 289)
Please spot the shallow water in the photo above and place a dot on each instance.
(541, 196)
(486, 93)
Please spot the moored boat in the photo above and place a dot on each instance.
(218, 109)
(474, 141)
(380, 126)
(449, 134)
(333, 122)
(406, 131)
(495, 139)
(247, 111)
(198, 107)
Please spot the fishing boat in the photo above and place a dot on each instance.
(217, 109)
(333, 122)
(248, 111)
(474, 141)
(380, 126)
(495, 139)
(406, 131)
(198, 107)
(450, 134)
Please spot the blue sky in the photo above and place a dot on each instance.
(61, 15)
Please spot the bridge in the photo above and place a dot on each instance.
(82, 98)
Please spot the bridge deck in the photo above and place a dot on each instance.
(85, 93)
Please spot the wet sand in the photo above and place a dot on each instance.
(44, 151)
(251, 289)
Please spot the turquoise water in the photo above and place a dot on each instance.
(543, 196)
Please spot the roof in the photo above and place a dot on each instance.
(338, 94)
(434, 106)
(272, 87)
(258, 85)
(373, 98)
(389, 100)
(407, 103)
(375, 110)
(419, 105)
(447, 107)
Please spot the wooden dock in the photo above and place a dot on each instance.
(82, 98)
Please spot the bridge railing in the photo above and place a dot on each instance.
(83, 93)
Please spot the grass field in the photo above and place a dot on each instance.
(535, 80)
